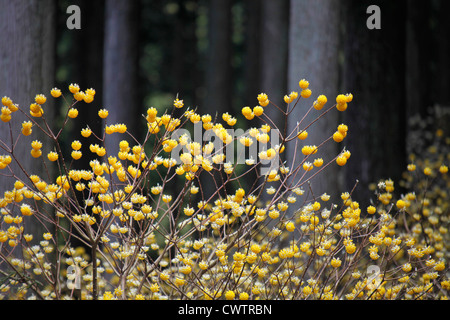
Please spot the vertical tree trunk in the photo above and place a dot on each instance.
(274, 54)
(374, 70)
(313, 55)
(219, 71)
(218, 77)
(87, 59)
(120, 69)
(27, 59)
(252, 62)
(418, 58)
(443, 54)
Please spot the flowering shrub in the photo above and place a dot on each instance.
(268, 240)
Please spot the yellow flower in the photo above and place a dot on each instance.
(290, 226)
(25, 209)
(302, 135)
(73, 113)
(303, 84)
(258, 111)
(282, 206)
(88, 98)
(350, 247)
(229, 295)
(263, 137)
(401, 204)
(6, 114)
(18, 185)
(341, 160)
(243, 296)
(349, 97)
(318, 162)
(246, 141)
(336, 262)
(307, 290)
(6, 101)
(36, 110)
(287, 99)
(86, 132)
(320, 102)
(79, 95)
(26, 128)
(343, 129)
(341, 99)
(338, 136)
(178, 103)
(305, 93)
(307, 166)
(371, 210)
(103, 113)
(179, 281)
(440, 266)
(154, 287)
(109, 129)
(248, 113)
(47, 236)
(307, 150)
(262, 99)
(108, 295)
(151, 114)
(341, 102)
(74, 88)
(40, 99)
(76, 154)
(90, 92)
(36, 153)
(185, 269)
(52, 156)
(195, 117)
(36, 144)
(55, 92)
(76, 145)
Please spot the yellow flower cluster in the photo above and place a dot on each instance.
(267, 240)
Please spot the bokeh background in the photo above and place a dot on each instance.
(218, 55)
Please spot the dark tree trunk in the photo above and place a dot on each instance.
(27, 57)
(219, 70)
(120, 70)
(273, 48)
(374, 71)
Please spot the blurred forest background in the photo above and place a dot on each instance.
(218, 55)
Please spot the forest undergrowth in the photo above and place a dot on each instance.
(202, 209)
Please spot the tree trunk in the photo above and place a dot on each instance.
(443, 55)
(219, 70)
(313, 55)
(418, 58)
(374, 70)
(27, 57)
(274, 54)
(120, 70)
(87, 59)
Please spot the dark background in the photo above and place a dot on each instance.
(219, 54)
